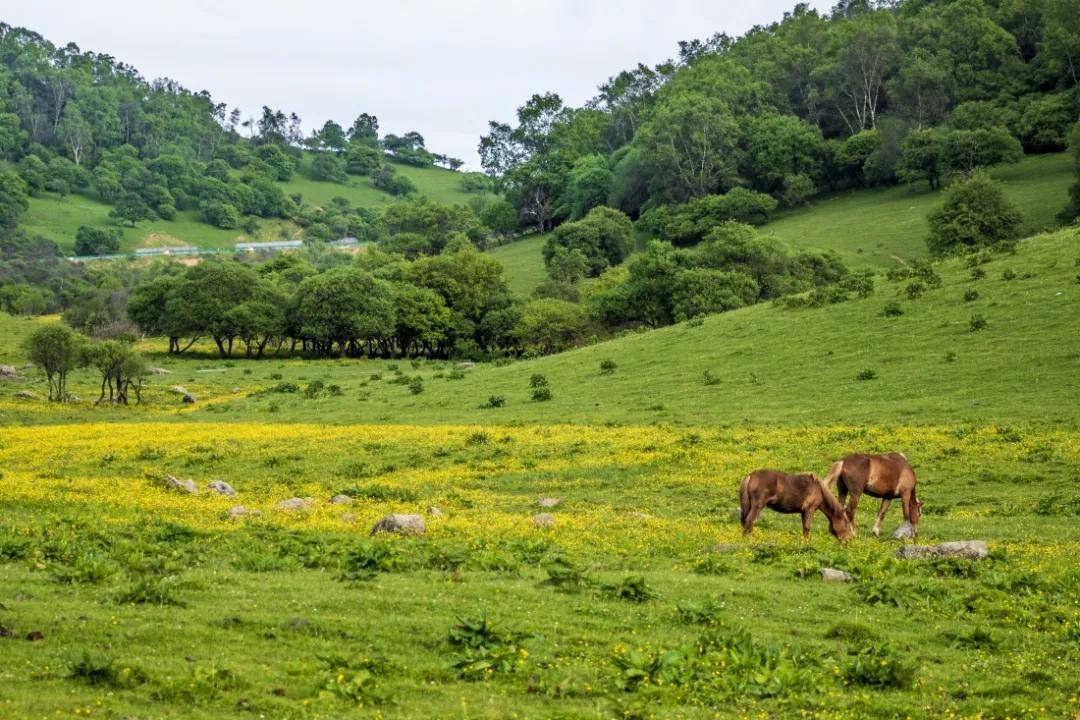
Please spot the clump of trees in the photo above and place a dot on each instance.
(975, 214)
(58, 350)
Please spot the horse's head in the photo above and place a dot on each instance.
(916, 511)
(840, 527)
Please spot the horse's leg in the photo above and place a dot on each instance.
(908, 499)
(807, 518)
(750, 519)
(885, 502)
(852, 506)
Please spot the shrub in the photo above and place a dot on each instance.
(368, 560)
(880, 665)
(866, 374)
(975, 214)
(977, 322)
(484, 650)
(950, 357)
(607, 367)
(915, 290)
(96, 241)
(977, 273)
(565, 575)
(632, 588)
(105, 672)
(285, 387)
(892, 309)
(356, 682)
(971, 295)
(709, 379)
(708, 612)
(416, 385)
(1008, 274)
(495, 401)
(541, 394)
(537, 380)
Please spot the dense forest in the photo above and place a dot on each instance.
(679, 160)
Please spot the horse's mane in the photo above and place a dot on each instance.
(835, 508)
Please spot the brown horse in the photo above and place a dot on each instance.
(887, 476)
(804, 493)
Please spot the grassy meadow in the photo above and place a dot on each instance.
(121, 598)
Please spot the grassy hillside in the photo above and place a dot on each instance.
(57, 219)
(768, 364)
(868, 228)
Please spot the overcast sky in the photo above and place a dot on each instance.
(439, 67)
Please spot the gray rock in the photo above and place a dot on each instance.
(235, 390)
(221, 488)
(160, 371)
(906, 531)
(834, 575)
(237, 511)
(189, 399)
(26, 395)
(433, 511)
(178, 389)
(8, 371)
(549, 502)
(293, 504)
(465, 365)
(187, 487)
(544, 520)
(398, 523)
(341, 500)
(969, 549)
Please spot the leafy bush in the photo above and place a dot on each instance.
(367, 560)
(708, 612)
(356, 682)
(565, 575)
(971, 295)
(541, 394)
(880, 665)
(892, 309)
(977, 273)
(495, 401)
(153, 590)
(537, 380)
(607, 367)
(977, 322)
(632, 588)
(484, 650)
(975, 214)
(1008, 274)
(416, 385)
(866, 374)
(708, 378)
(915, 290)
(104, 672)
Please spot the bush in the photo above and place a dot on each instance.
(537, 380)
(866, 374)
(977, 322)
(975, 214)
(388, 181)
(1008, 274)
(632, 588)
(96, 241)
(607, 367)
(915, 290)
(708, 378)
(977, 273)
(329, 168)
(971, 295)
(495, 401)
(221, 215)
(880, 665)
(416, 385)
(892, 309)
(541, 394)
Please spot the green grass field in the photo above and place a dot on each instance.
(58, 219)
(121, 598)
(868, 228)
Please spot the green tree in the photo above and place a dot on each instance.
(57, 349)
(550, 325)
(1072, 210)
(975, 214)
(13, 200)
(588, 184)
(96, 241)
(922, 157)
(331, 137)
(122, 369)
(604, 237)
(362, 158)
(329, 168)
(345, 307)
(220, 214)
(130, 208)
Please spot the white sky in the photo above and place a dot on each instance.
(439, 67)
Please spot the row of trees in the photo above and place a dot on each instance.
(873, 93)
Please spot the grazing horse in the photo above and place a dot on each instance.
(804, 493)
(887, 476)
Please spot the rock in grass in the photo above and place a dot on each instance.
(433, 511)
(969, 549)
(187, 487)
(221, 488)
(160, 371)
(549, 502)
(398, 523)
(189, 399)
(465, 365)
(906, 531)
(293, 504)
(348, 518)
(25, 395)
(178, 389)
(543, 520)
(8, 371)
(834, 575)
(237, 511)
(341, 500)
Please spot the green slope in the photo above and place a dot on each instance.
(57, 219)
(867, 227)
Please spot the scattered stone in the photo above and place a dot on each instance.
(221, 488)
(397, 523)
(188, 487)
(189, 399)
(543, 520)
(639, 515)
(8, 371)
(35, 635)
(465, 365)
(294, 504)
(235, 390)
(906, 531)
(341, 500)
(433, 511)
(969, 549)
(160, 371)
(834, 575)
(178, 389)
(348, 518)
(725, 548)
(549, 502)
(25, 395)
(237, 511)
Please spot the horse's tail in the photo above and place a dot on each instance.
(834, 474)
(744, 498)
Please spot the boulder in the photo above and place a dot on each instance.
(178, 389)
(8, 371)
(465, 365)
(235, 390)
(549, 502)
(25, 395)
(189, 399)
(435, 512)
(834, 575)
(237, 511)
(906, 531)
(398, 523)
(293, 504)
(341, 500)
(543, 520)
(969, 549)
(187, 487)
(160, 371)
(221, 488)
